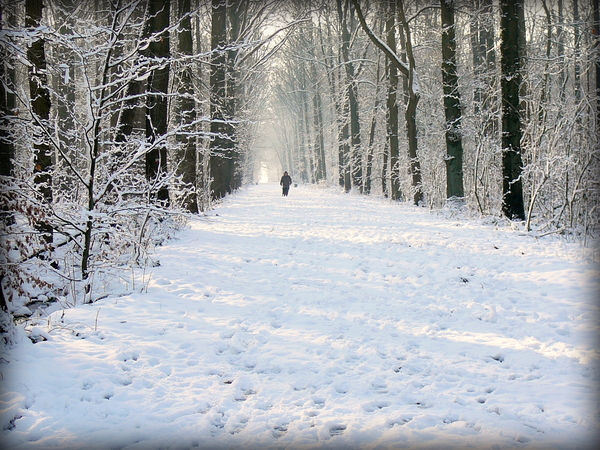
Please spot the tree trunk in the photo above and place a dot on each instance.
(7, 109)
(560, 37)
(478, 58)
(331, 80)
(452, 106)
(392, 104)
(355, 159)
(188, 161)
(596, 4)
(221, 159)
(40, 109)
(321, 168)
(346, 155)
(131, 111)
(203, 172)
(545, 94)
(304, 128)
(369, 165)
(408, 69)
(384, 170)
(342, 129)
(484, 66)
(510, 47)
(352, 92)
(577, 44)
(65, 82)
(412, 91)
(94, 148)
(237, 9)
(158, 88)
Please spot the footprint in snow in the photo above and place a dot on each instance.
(403, 421)
(237, 427)
(318, 401)
(279, 430)
(122, 380)
(242, 396)
(341, 388)
(375, 406)
(227, 334)
(129, 355)
(460, 401)
(220, 348)
(380, 386)
(499, 357)
(337, 430)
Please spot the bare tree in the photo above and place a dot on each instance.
(596, 33)
(7, 107)
(510, 48)
(392, 103)
(186, 109)
(408, 69)
(40, 109)
(221, 158)
(158, 87)
(355, 159)
(452, 106)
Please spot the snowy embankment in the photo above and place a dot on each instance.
(322, 321)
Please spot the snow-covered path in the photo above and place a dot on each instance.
(322, 321)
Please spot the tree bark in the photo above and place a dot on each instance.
(221, 158)
(412, 92)
(577, 38)
(188, 162)
(596, 5)
(355, 159)
(7, 108)
(40, 109)
(65, 83)
(373, 127)
(484, 66)
(392, 104)
(337, 110)
(7, 146)
(452, 105)
(237, 11)
(510, 47)
(158, 88)
(408, 69)
(321, 168)
(306, 171)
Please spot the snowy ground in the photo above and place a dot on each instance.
(322, 321)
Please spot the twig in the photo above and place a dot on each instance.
(96, 321)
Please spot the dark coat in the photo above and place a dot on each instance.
(286, 181)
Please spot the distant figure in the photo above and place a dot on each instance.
(286, 181)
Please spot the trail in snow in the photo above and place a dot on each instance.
(322, 321)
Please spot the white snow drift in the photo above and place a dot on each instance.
(322, 321)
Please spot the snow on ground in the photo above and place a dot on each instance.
(322, 321)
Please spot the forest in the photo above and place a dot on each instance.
(120, 119)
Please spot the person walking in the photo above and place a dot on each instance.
(285, 182)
